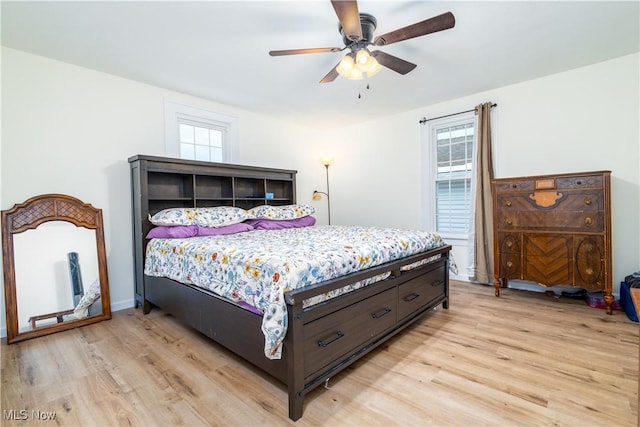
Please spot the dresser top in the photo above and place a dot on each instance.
(558, 175)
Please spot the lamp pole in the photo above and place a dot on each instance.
(326, 166)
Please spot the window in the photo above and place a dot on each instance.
(450, 144)
(200, 142)
(196, 134)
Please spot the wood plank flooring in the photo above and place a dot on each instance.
(523, 359)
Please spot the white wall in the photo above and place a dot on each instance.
(70, 130)
(581, 120)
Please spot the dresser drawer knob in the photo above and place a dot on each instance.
(508, 221)
(509, 264)
(509, 244)
(338, 335)
(587, 201)
(588, 220)
(381, 313)
(589, 271)
(508, 203)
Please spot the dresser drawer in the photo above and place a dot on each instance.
(584, 181)
(589, 261)
(544, 201)
(513, 186)
(510, 265)
(548, 270)
(510, 243)
(417, 293)
(548, 258)
(555, 220)
(330, 337)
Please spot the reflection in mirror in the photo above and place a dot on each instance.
(55, 267)
(51, 262)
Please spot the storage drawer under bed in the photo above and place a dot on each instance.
(416, 293)
(329, 338)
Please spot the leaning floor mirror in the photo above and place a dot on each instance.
(55, 266)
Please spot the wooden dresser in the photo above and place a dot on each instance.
(554, 230)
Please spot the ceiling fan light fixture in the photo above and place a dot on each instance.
(355, 74)
(357, 31)
(374, 68)
(367, 63)
(346, 65)
(362, 57)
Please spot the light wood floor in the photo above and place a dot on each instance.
(523, 359)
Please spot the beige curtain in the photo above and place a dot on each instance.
(483, 222)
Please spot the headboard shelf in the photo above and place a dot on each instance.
(160, 182)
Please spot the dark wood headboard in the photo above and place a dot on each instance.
(159, 183)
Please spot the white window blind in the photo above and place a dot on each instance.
(453, 173)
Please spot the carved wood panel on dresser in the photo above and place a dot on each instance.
(554, 230)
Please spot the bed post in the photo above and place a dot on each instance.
(447, 255)
(295, 361)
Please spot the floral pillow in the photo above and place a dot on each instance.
(280, 212)
(217, 216)
(90, 296)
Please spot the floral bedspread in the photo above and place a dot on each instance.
(258, 266)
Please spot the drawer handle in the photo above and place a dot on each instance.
(338, 335)
(587, 201)
(509, 244)
(509, 264)
(381, 313)
(410, 297)
(588, 220)
(508, 203)
(508, 221)
(589, 271)
(437, 283)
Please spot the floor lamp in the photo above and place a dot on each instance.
(326, 161)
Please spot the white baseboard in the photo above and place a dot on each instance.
(122, 305)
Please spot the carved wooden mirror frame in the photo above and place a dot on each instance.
(29, 215)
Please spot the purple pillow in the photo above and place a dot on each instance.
(227, 229)
(183, 231)
(276, 224)
(173, 232)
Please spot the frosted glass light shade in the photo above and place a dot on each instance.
(345, 66)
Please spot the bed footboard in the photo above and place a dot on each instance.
(324, 339)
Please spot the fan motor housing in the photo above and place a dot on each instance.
(368, 23)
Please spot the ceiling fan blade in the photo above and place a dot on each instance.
(331, 76)
(428, 26)
(393, 62)
(349, 17)
(301, 51)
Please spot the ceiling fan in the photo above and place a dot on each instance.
(357, 34)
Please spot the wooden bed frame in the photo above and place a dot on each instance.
(321, 340)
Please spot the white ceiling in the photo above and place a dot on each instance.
(218, 50)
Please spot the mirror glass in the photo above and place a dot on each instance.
(54, 265)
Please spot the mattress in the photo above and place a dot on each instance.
(258, 267)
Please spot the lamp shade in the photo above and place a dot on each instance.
(345, 66)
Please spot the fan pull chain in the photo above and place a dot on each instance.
(359, 91)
